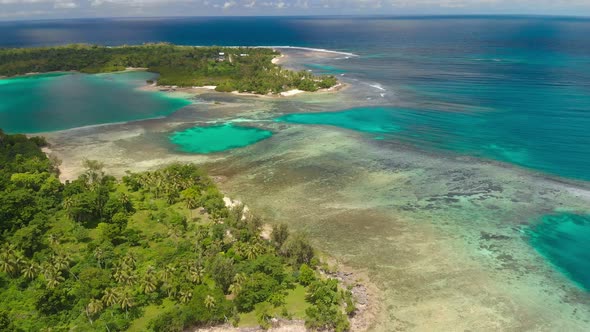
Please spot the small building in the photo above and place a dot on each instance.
(221, 56)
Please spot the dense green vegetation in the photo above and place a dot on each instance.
(239, 69)
(154, 251)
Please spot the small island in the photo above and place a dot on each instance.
(228, 69)
(156, 251)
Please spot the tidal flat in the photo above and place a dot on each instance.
(442, 234)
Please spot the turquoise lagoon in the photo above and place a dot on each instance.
(217, 138)
(58, 101)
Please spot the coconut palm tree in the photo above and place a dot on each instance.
(126, 301)
(111, 296)
(235, 288)
(53, 239)
(61, 262)
(209, 302)
(175, 234)
(52, 276)
(185, 295)
(124, 275)
(195, 274)
(168, 272)
(98, 255)
(171, 288)
(149, 284)
(129, 260)
(68, 203)
(10, 259)
(191, 199)
(92, 308)
(30, 270)
(126, 202)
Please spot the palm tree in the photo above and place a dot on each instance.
(195, 274)
(175, 234)
(95, 306)
(99, 255)
(251, 251)
(53, 239)
(171, 289)
(111, 296)
(129, 260)
(52, 276)
(185, 296)
(240, 278)
(209, 302)
(9, 259)
(191, 199)
(31, 270)
(126, 202)
(235, 288)
(126, 301)
(68, 204)
(123, 274)
(168, 272)
(61, 262)
(149, 283)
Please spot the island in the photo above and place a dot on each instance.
(155, 251)
(228, 69)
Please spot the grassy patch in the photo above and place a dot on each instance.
(151, 312)
(294, 302)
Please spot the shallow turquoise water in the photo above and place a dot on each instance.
(529, 138)
(217, 138)
(325, 69)
(58, 101)
(368, 120)
(564, 239)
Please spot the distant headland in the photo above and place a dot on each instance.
(227, 69)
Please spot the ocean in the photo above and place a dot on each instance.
(495, 112)
(515, 89)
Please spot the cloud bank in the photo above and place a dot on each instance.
(36, 9)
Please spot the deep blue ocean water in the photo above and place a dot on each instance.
(514, 89)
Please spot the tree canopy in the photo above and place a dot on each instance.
(238, 69)
(157, 248)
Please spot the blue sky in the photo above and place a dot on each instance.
(37, 9)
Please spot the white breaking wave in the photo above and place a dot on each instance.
(378, 87)
(311, 49)
(98, 125)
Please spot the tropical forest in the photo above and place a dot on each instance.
(153, 251)
(227, 68)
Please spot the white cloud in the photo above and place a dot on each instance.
(65, 5)
(229, 4)
(92, 8)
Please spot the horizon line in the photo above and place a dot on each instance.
(390, 16)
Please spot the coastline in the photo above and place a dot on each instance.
(364, 291)
(211, 88)
(425, 251)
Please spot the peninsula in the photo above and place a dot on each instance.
(155, 251)
(228, 69)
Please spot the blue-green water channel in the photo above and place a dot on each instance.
(564, 239)
(527, 138)
(57, 101)
(217, 138)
